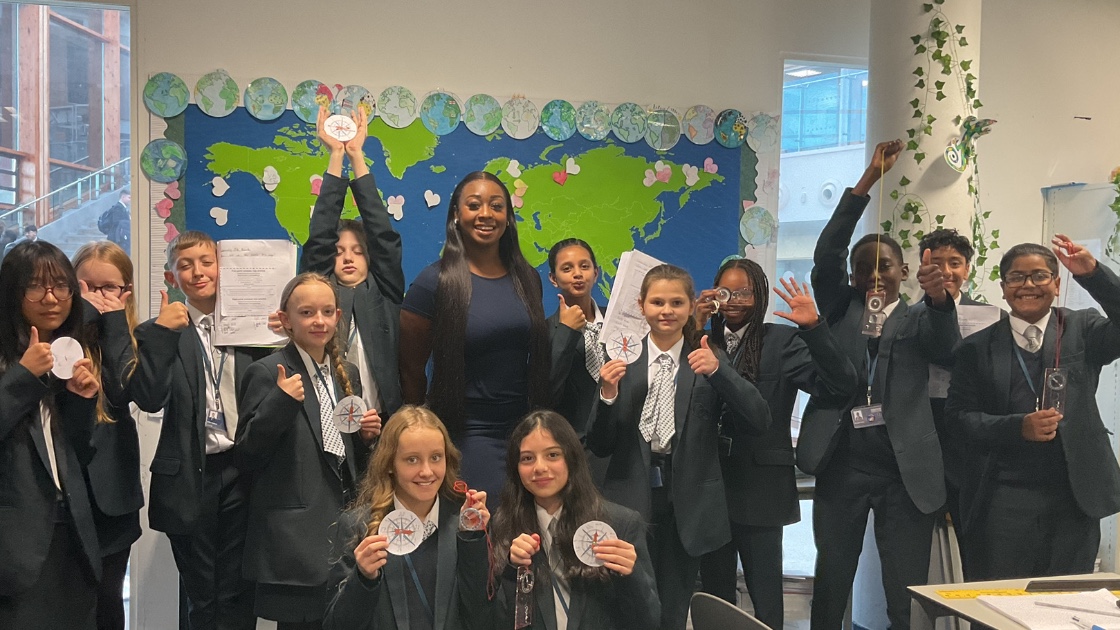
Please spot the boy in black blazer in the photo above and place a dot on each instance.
(1046, 477)
(197, 495)
(893, 465)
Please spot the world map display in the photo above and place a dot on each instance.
(682, 205)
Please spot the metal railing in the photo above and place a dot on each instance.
(91, 185)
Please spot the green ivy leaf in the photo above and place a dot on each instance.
(916, 38)
(904, 233)
(934, 24)
(957, 121)
(912, 206)
(995, 233)
(946, 70)
(980, 260)
(987, 213)
(886, 225)
(906, 244)
(966, 64)
(905, 181)
(917, 218)
(963, 42)
(939, 1)
(994, 275)
(959, 28)
(918, 157)
(927, 7)
(928, 130)
(911, 132)
(905, 216)
(969, 78)
(918, 71)
(919, 234)
(920, 84)
(894, 196)
(920, 49)
(930, 118)
(993, 245)
(936, 55)
(912, 145)
(917, 113)
(940, 218)
(939, 85)
(940, 96)
(914, 103)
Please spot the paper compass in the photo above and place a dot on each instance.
(348, 414)
(587, 536)
(404, 531)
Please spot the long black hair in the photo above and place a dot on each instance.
(580, 498)
(453, 298)
(27, 262)
(750, 353)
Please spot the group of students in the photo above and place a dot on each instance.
(686, 453)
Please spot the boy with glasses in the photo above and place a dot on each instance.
(1047, 476)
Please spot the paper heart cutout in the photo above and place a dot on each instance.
(514, 168)
(710, 166)
(271, 178)
(560, 177)
(163, 208)
(571, 167)
(395, 206)
(650, 178)
(658, 166)
(172, 232)
(691, 174)
(518, 202)
(519, 187)
(219, 186)
(664, 174)
(747, 203)
(172, 190)
(431, 198)
(220, 215)
(316, 184)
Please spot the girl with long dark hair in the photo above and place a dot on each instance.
(758, 470)
(47, 539)
(477, 313)
(548, 495)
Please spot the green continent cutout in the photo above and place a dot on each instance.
(606, 204)
(438, 168)
(293, 194)
(404, 148)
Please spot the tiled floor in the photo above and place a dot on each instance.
(798, 593)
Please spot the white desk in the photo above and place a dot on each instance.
(931, 605)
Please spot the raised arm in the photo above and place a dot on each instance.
(319, 250)
(1102, 334)
(383, 243)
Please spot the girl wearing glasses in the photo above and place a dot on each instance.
(47, 536)
(105, 274)
(758, 471)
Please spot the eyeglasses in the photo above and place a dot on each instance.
(1016, 279)
(109, 289)
(38, 292)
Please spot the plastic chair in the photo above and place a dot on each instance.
(712, 613)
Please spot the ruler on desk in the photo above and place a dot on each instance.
(998, 592)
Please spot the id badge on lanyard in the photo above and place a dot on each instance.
(869, 415)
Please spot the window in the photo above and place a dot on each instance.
(823, 106)
(64, 116)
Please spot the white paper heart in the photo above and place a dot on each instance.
(691, 174)
(395, 206)
(649, 179)
(220, 187)
(658, 166)
(572, 167)
(514, 168)
(220, 215)
(271, 178)
(431, 198)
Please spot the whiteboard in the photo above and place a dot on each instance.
(1082, 212)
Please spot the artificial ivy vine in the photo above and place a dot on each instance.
(942, 72)
(1113, 248)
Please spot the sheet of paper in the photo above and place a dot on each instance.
(972, 318)
(251, 277)
(623, 319)
(1076, 298)
(1025, 610)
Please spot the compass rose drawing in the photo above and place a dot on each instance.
(348, 414)
(403, 530)
(625, 345)
(341, 128)
(587, 536)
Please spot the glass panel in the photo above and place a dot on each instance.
(126, 102)
(823, 106)
(89, 18)
(75, 83)
(9, 73)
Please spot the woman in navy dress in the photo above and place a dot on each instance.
(477, 313)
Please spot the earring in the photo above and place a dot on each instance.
(456, 221)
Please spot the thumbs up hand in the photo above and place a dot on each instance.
(571, 316)
(702, 360)
(38, 358)
(932, 280)
(172, 315)
(290, 385)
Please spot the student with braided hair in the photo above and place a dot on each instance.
(758, 471)
(303, 469)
